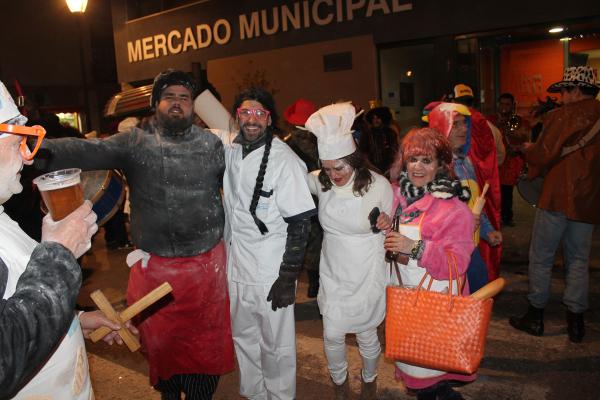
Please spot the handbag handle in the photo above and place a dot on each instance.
(451, 261)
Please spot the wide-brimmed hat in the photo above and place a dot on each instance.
(582, 76)
(298, 113)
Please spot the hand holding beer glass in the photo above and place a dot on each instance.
(63, 195)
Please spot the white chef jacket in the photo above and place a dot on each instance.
(353, 272)
(253, 258)
(66, 373)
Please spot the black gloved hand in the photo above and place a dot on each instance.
(283, 291)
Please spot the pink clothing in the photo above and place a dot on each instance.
(447, 226)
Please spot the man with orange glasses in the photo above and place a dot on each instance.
(41, 338)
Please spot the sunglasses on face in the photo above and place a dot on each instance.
(26, 131)
(259, 114)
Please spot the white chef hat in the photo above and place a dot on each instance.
(332, 125)
(9, 113)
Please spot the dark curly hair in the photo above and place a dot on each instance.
(362, 179)
(266, 99)
(263, 97)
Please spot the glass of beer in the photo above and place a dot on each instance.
(61, 191)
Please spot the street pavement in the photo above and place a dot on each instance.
(515, 366)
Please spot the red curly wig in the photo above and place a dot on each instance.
(423, 142)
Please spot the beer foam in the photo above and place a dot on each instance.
(58, 179)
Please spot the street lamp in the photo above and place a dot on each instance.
(77, 7)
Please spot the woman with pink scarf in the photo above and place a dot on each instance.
(435, 223)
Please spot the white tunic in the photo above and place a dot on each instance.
(253, 258)
(66, 374)
(353, 272)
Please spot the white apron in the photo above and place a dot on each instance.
(353, 273)
(66, 374)
(411, 276)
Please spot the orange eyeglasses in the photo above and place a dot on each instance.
(26, 131)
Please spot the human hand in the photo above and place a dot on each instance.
(397, 242)
(90, 321)
(476, 221)
(494, 238)
(384, 222)
(74, 231)
(283, 291)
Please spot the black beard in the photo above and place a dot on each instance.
(173, 126)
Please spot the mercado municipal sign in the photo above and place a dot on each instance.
(283, 18)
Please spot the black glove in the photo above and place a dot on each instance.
(283, 291)
(373, 215)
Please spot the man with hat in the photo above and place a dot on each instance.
(41, 337)
(304, 144)
(268, 208)
(483, 156)
(174, 171)
(567, 209)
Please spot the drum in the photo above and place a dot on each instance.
(530, 190)
(105, 189)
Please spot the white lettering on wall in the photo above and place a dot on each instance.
(351, 6)
(315, 12)
(147, 48)
(222, 36)
(288, 17)
(201, 31)
(189, 40)
(283, 18)
(265, 21)
(160, 45)
(248, 30)
(134, 51)
(173, 49)
(377, 5)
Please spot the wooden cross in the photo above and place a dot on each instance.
(120, 318)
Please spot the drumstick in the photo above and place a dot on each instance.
(480, 202)
(489, 290)
(134, 309)
(104, 305)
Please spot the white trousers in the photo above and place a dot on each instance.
(335, 350)
(265, 344)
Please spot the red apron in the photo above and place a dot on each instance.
(188, 331)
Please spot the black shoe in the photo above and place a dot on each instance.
(439, 391)
(532, 322)
(575, 326)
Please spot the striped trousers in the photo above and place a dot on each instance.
(194, 386)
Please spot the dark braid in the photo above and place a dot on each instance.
(259, 182)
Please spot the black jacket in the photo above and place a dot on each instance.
(174, 182)
(36, 317)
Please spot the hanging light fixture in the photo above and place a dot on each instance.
(556, 29)
(77, 6)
